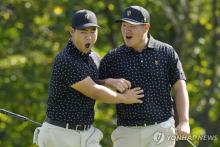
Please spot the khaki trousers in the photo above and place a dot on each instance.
(158, 135)
(53, 136)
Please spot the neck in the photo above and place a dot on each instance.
(142, 45)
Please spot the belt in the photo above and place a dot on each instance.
(78, 127)
(143, 125)
(146, 124)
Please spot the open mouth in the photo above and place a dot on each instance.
(128, 37)
(87, 45)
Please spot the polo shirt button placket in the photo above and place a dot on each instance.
(141, 58)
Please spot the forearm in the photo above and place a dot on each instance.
(182, 103)
(106, 95)
(98, 92)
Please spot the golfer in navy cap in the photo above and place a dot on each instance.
(155, 67)
(73, 90)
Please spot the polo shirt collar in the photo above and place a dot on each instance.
(150, 45)
(151, 42)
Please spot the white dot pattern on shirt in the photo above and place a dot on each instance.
(64, 103)
(154, 70)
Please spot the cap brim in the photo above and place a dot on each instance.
(131, 21)
(87, 25)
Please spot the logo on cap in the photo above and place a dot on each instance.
(87, 16)
(128, 13)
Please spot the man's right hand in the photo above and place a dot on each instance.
(120, 85)
(133, 96)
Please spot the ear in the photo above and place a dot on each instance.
(71, 30)
(147, 26)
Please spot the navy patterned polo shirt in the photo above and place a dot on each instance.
(65, 104)
(155, 70)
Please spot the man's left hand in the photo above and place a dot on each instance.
(183, 130)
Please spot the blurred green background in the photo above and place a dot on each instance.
(32, 32)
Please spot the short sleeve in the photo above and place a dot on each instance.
(175, 68)
(71, 70)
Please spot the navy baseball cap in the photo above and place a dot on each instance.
(135, 15)
(84, 18)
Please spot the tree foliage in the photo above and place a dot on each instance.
(33, 32)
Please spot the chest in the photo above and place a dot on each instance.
(89, 66)
(141, 67)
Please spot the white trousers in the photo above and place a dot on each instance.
(158, 135)
(53, 136)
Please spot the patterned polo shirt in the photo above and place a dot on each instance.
(65, 104)
(155, 70)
